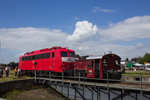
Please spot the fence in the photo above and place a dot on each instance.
(96, 86)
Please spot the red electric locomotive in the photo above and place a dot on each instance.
(55, 59)
(100, 66)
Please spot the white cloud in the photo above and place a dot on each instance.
(83, 40)
(129, 29)
(98, 48)
(84, 30)
(30, 38)
(98, 9)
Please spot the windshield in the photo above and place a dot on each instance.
(72, 54)
(148, 66)
(117, 62)
(64, 54)
(105, 62)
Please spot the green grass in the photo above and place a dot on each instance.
(12, 77)
(137, 73)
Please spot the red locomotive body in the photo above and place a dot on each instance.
(100, 66)
(56, 59)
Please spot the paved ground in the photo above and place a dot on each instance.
(38, 94)
(2, 99)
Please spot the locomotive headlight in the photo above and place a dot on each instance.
(69, 59)
(90, 71)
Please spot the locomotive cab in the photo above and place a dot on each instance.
(107, 66)
(111, 66)
(68, 58)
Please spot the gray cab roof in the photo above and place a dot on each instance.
(94, 57)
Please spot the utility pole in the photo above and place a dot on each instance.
(1, 57)
(0, 53)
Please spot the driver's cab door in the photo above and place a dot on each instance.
(91, 69)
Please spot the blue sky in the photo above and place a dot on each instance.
(62, 14)
(83, 25)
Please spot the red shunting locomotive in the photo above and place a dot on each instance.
(107, 66)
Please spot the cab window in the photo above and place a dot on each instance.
(105, 62)
(72, 54)
(53, 54)
(91, 64)
(64, 54)
(117, 62)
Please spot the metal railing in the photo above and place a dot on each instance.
(82, 81)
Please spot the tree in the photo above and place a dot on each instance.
(13, 65)
(134, 59)
(127, 60)
(145, 58)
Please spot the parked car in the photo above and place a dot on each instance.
(147, 67)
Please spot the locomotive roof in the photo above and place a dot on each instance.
(100, 57)
(45, 50)
(94, 57)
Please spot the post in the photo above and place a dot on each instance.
(83, 92)
(68, 91)
(75, 93)
(40, 77)
(62, 77)
(50, 77)
(121, 95)
(55, 85)
(92, 95)
(35, 75)
(108, 94)
(0, 53)
(79, 78)
(141, 82)
(62, 88)
(107, 82)
(98, 94)
(62, 82)
(35, 63)
(136, 96)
